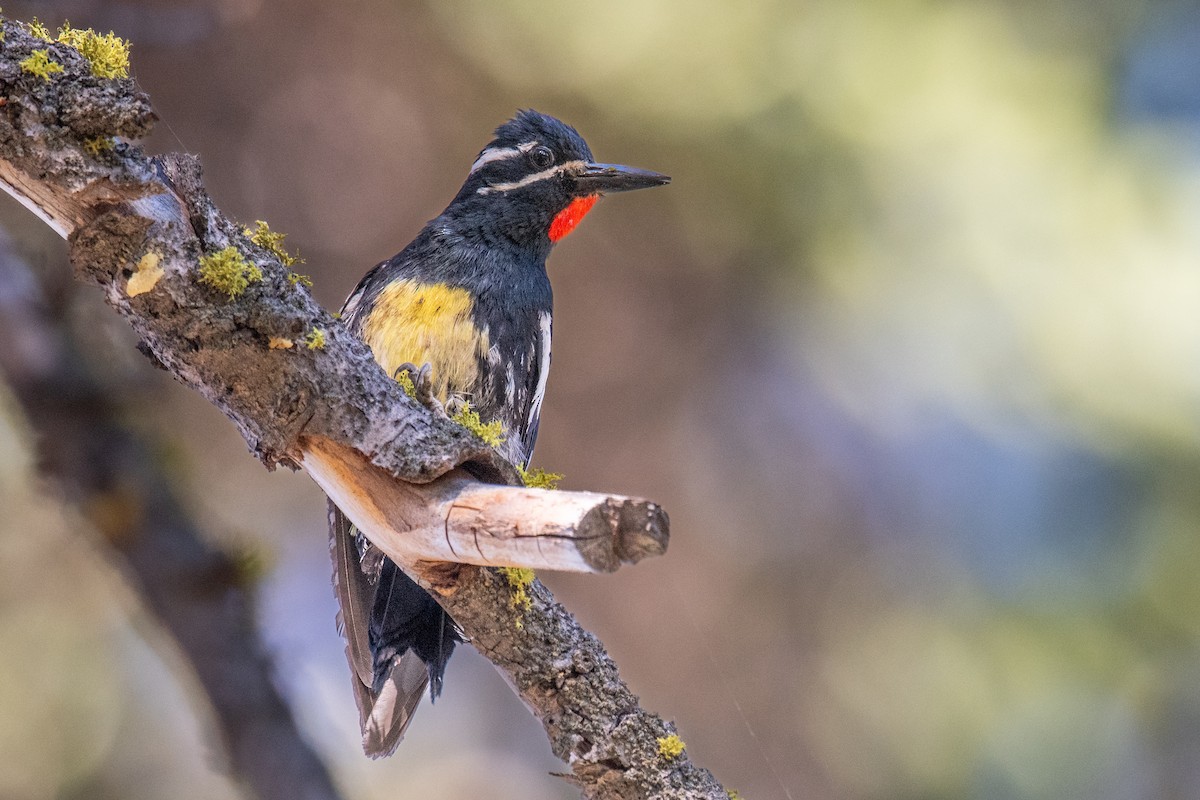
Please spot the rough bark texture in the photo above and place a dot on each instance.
(561, 671)
(120, 208)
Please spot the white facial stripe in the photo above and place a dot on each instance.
(501, 153)
(534, 178)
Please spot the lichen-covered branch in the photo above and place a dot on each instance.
(219, 312)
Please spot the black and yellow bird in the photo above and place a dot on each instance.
(469, 298)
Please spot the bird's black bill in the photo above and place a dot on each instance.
(603, 178)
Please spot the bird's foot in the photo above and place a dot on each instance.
(456, 405)
(420, 379)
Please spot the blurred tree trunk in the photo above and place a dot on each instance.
(199, 594)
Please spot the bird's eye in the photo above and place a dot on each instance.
(541, 156)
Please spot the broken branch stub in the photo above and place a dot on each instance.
(457, 518)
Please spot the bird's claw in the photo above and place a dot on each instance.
(422, 382)
(455, 406)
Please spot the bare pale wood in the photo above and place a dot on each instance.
(457, 518)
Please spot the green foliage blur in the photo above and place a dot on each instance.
(909, 350)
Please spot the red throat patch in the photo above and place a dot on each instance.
(566, 220)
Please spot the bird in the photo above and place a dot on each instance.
(470, 301)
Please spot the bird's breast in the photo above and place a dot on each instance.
(417, 322)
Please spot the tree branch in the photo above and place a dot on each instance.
(329, 408)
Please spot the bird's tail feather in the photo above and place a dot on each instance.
(392, 709)
(398, 639)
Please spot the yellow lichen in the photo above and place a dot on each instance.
(36, 28)
(39, 64)
(107, 53)
(538, 478)
(145, 275)
(295, 278)
(280, 343)
(733, 795)
(519, 580)
(98, 144)
(315, 339)
(228, 271)
(406, 383)
(670, 747)
(492, 432)
(264, 237)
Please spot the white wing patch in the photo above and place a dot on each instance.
(544, 322)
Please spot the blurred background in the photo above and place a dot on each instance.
(909, 350)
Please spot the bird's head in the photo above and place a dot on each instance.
(537, 179)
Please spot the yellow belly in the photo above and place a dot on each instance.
(427, 323)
